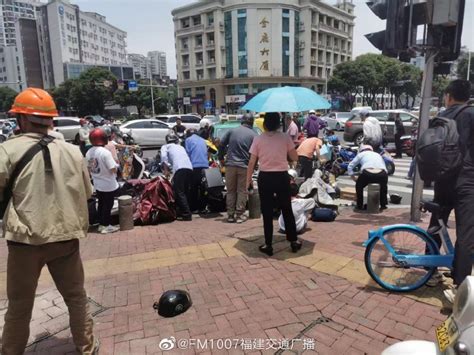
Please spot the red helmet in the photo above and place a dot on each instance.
(98, 137)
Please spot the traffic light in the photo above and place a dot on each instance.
(446, 24)
(444, 19)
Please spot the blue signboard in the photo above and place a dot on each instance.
(207, 104)
(132, 85)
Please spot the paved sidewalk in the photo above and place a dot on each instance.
(320, 297)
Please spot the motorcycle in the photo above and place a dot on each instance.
(454, 336)
(344, 155)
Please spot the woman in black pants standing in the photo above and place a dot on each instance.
(272, 150)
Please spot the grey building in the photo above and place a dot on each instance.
(229, 50)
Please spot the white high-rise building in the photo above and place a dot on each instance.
(73, 40)
(229, 50)
(140, 64)
(157, 61)
(10, 12)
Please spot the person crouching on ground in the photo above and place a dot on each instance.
(373, 171)
(272, 149)
(300, 207)
(175, 155)
(43, 222)
(103, 169)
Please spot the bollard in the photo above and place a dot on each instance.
(373, 198)
(254, 204)
(125, 212)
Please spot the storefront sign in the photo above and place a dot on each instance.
(186, 101)
(197, 100)
(264, 40)
(229, 99)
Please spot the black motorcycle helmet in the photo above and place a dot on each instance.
(171, 138)
(395, 199)
(173, 303)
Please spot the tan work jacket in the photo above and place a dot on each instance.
(46, 207)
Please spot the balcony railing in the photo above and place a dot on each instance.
(190, 29)
(210, 45)
(314, 44)
(198, 47)
(313, 61)
(333, 30)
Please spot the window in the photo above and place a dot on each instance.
(67, 123)
(186, 75)
(196, 20)
(242, 42)
(210, 19)
(190, 119)
(381, 116)
(159, 125)
(142, 124)
(229, 69)
(406, 117)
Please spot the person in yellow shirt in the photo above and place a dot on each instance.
(45, 216)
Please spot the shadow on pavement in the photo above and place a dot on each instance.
(52, 345)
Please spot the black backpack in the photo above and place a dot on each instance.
(438, 155)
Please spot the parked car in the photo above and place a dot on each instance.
(337, 120)
(68, 127)
(189, 121)
(146, 132)
(353, 129)
(222, 128)
(356, 110)
(213, 118)
(165, 118)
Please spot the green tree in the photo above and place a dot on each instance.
(62, 95)
(462, 65)
(7, 96)
(440, 83)
(344, 81)
(88, 94)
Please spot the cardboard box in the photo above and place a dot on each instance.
(348, 193)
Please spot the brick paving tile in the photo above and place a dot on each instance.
(243, 295)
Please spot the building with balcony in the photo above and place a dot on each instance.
(229, 50)
(139, 64)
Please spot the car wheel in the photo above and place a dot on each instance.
(359, 138)
(390, 167)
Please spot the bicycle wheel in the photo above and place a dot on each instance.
(390, 274)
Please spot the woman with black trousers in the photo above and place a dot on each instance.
(272, 150)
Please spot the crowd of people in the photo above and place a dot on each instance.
(52, 237)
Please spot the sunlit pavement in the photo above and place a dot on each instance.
(321, 297)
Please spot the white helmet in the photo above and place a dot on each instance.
(312, 112)
(293, 173)
(204, 122)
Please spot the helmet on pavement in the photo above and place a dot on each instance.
(395, 199)
(293, 173)
(173, 303)
(37, 104)
(98, 137)
(171, 138)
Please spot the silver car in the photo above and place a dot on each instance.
(189, 121)
(337, 120)
(68, 127)
(147, 132)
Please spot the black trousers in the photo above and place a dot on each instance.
(464, 247)
(105, 205)
(306, 165)
(366, 178)
(398, 145)
(271, 184)
(198, 193)
(445, 196)
(182, 180)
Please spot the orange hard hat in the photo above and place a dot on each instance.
(36, 102)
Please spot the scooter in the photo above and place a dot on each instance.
(455, 336)
(346, 154)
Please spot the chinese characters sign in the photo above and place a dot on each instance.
(264, 42)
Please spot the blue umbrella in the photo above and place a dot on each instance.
(287, 99)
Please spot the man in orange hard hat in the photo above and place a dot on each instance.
(44, 187)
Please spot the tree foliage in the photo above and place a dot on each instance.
(7, 96)
(373, 74)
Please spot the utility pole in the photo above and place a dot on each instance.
(427, 87)
(152, 100)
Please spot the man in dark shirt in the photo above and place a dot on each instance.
(237, 144)
(179, 128)
(459, 194)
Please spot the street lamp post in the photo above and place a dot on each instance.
(328, 71)
(152, 100)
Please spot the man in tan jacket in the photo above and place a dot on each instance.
(43, 222)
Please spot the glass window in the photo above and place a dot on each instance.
(229, 70)
(286, 23)
(159, 125)
(67, 123)
(286, 56)
(381, 116)
(142, 124)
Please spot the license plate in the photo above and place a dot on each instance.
(446, 334)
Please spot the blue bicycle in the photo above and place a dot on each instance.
(402, 257)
